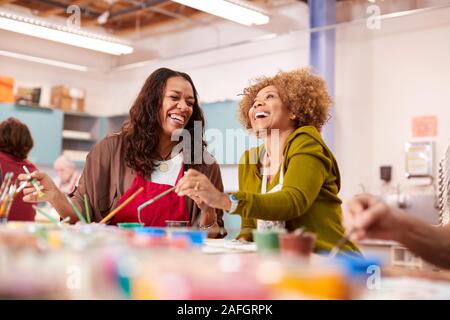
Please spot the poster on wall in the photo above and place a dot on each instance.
(419, 159)
(424, 126)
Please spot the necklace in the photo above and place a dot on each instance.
(164, 166)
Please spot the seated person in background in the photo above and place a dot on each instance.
(292, 180)
(370, 218)
(67, 174)
(15, 144)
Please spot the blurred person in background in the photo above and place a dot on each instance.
(67, 174)
(16, 143)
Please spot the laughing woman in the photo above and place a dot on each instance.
(292, 180)
(143, 155)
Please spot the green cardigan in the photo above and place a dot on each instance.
(309, 197)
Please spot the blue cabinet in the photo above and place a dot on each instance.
(45, 125)
(226, 137)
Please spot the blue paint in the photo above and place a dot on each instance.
(322, 52)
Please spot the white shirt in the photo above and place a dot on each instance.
(268, 224)
(170, 176)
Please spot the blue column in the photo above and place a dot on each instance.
(322, 52)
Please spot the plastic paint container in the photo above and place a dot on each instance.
(267, 240)
(176, 224)
(196, 238)
(151, 231)
(130, 225)
(297, 245)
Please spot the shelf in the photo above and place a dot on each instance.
(76, 155)
(79, 114)
(79, 139)
(28, 106)
(77, 135)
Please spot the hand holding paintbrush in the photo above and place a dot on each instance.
(33, 182)
(38, 180)
(367, 217)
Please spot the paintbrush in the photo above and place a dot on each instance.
(341, 244)
(115, 211)
(22, 186)
(66, 219)
(159, 196)
(77, 212)
(33, 182)
(7, 181)
(12, 194)
(45, 214)
(4, 182)
(87, 209)
(7, 201)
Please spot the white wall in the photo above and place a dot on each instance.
(221, 58)
(218, 74)
(383, 79)
(30, 74)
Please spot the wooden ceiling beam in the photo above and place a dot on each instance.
(127, 31)
(59, 10)
(128, 12)
(2, 2)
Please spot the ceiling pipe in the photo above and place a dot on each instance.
(85, 11)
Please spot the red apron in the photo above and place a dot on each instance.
(169, 207)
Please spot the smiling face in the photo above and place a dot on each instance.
(177, 105)
(268, 112)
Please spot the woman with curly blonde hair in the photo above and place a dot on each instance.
(292, 180)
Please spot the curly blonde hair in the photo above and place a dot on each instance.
(304, 93)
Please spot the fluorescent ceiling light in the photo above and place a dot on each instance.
(235, 10)
(63, 34)
(54, 63)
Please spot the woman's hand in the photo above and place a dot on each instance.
(45, 183)
(372, 218)
(200, 189)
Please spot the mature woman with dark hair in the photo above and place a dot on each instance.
(146, 154)
(15, 144)
(292, 180)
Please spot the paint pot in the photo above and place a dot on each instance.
(267, 240)
(150, 231)
(176, 224)
(130, 225)
(297, 244)
(195, 237)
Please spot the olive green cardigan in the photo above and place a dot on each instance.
(309, 196)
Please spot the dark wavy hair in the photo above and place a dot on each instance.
(15, 138)
(142, 131)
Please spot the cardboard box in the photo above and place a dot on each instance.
(67, 99)
(6, 89)
(28, 96)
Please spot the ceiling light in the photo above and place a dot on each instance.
(235, 10)
(50, 62)
(103, 18)
(63, 34)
